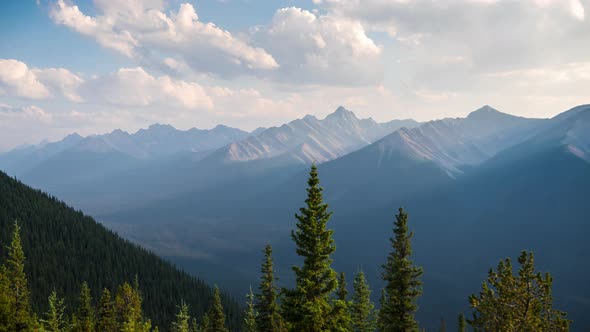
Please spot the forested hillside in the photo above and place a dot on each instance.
(65, 248)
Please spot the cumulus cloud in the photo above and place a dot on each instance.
(492, 34)
(143, 31)
(136, 87)
(126, 87)
(17, 79)
(313, 48)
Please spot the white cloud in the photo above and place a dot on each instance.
(60, 80)
(141, 30)
(17, 79)
(493, 34)
(313, 48)
(136, 87)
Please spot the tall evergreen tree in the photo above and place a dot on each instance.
(5, 317)
(362, 309)
(269, 318)
(181, 323)
(381, 311)
(341, 307)
(128, 309)
(402, 277)
(461, 323)
(19, 307)
(216, 316)
(105, 319)
(85, 311)
(443, 325)
(521, 302)
(205, 323)
(308, 306)
(55, 318)
(250, 315)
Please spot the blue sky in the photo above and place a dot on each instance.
(91, 66)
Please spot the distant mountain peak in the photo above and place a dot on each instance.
(486, 109)
(159, 126)
(341, 113)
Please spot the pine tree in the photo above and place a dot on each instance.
(205, 325)
(341, 307)
(269, 318)
(19, 307)
(195, 326)
(521, 302)
(55, 318)
(128, 308)
(216, 316)
(403, 285)
(308, 306)
(461, 323)
(181, 323)
(105, 320)
(4, 300)
(362, 309)
(85, 311)
(443, 325)
(250, 315)
(381, 312)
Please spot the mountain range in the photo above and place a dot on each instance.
(477, 189)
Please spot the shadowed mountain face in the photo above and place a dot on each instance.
(477, 189)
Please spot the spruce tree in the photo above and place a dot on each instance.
(85, 310)
(269, 318)
(381, 312)
(521, 302)
(443, 325)
(341, 307)
(308, 306)
(461, 323)
(55, 318)
(403, 285)
(205, 323)
(128, 309)
(362, 309)
(105, 319)
(195, 326)
(4, 300)
(181, 322)
(250, 315)
(19, 307)
(216, 316)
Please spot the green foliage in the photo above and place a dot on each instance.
(521, 302)
(268, 318)
(308, 307)
(105, 318)
(250, 315)
(362, 309)
(19, 308)
(64, 248)
(342, 320)
(4, 299)
(55, 320)
(403, 285)
(215, 315)
(85, 315)
(461, 323)
(181, 323)
(443, 325)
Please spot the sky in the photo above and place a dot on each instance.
(92, 66)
